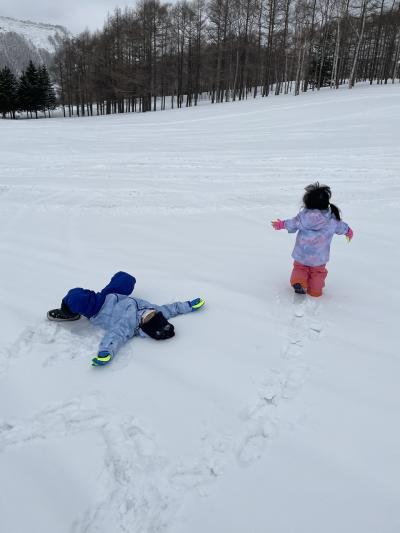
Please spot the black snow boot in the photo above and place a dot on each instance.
(62, 314)
(298, 288)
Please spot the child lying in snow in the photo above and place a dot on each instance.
(316, 224)
(121, 316)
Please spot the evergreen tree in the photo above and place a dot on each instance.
(23, 93)
(47, 95)
(29, 92)
(8, 92)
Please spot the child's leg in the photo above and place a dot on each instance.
(176, 308)
(317, 280)
(300, 274)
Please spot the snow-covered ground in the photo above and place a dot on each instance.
(264, 413)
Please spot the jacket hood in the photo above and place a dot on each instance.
(314, 219)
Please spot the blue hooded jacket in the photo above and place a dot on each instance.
(88, 303)
(116, 312)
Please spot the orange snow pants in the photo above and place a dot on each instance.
(311, 278)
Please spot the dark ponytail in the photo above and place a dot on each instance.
(318, 197)
(335, 210)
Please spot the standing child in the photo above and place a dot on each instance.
(316, 224)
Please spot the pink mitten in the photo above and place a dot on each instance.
(349, 234)
(278, 224)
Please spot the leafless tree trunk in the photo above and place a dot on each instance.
(360, 35)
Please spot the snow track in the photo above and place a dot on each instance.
(263, 418)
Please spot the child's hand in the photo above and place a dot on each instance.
(197, 303)
(102, 358)
(349, 234)
(278, 224)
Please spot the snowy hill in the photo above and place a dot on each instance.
(264, 413)
(21, 41)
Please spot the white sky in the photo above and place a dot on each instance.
(75, 15)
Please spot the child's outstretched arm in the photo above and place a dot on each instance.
(112, 341)
(291, 224)
(180, 308)
(344, 229)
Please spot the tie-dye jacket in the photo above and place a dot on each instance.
(315, 232)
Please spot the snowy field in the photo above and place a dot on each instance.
(264, 414)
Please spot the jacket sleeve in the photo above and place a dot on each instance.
(121, 283)
(341, 228)
(113, 340)
(174, 309)
(292, 224)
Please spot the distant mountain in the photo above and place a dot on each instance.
(21, 41)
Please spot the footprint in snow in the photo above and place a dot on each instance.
(268, 396)
(255, 442)
(214, 455)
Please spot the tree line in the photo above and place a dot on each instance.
(159, 54)
(226, 50)
(32, 92)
